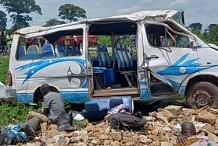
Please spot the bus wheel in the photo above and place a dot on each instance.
(203, 94)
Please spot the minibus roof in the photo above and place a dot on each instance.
(160, 15)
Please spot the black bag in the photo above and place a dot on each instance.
(124, 121)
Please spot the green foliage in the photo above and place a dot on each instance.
(3, 20)
(103, 39)
(14, 112)
(209, 35)
(212, 36)
(71, 12)
(195, 27)
(19, 10)
(53, 22)
(4, 61)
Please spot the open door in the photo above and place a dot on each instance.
(169, 58)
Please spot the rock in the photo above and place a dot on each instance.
(116, 136)
(156, 131)
(79, 144)
(213, 111)
(213, 137)
(166, 129)
(167, 114)
(209, 128)
(115, 143)
(165, 138)
(166, 144)
(103, 136)
(34, 144)
(60, 140)
(52, 126)
(51, 133)
(206, 117)
(144, 139)
(130, 143)
(216, 123)
(43, 127)
(107, 142)
(95, 142)
(175, 110)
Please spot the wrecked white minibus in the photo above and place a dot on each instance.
(166, 60)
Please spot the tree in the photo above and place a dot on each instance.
(195, 27)
(20, 10)
(212, 35)
(3, 20)
(71, 12)
(53, 22)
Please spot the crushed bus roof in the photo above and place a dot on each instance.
(160, 15)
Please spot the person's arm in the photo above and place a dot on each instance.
(45, 111)
(46, 106)
(181, 139)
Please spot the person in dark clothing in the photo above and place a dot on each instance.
(189, 137)
(53, 108)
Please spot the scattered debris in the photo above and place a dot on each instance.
(161, 130)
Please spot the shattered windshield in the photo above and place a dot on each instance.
(179, 17)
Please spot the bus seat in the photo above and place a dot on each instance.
(33, 52)
(105, 61)
(48, 51)
(101, 56)
(127, 50)
(126, 60)
(120, 53)
(21, 54)
(92, 112)
(107, 57)
(119, 56)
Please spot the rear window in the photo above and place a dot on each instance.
(59, 44)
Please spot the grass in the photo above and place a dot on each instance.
(4, 62)
(8, 112)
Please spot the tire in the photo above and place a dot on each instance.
(203, 94)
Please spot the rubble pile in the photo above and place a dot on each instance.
(161, 130)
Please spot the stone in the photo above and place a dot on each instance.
(130, 143)
(166, 144)
(115, 143)
(175, 110)
(165, 138)
(95, 142)
(156, 131)
(144, 139)
(209, 128)
(116, 136)
(80, 144)
(107, 142)
(166, 129)
(167, 114)
(216, 123)
(213, 137)
(51, 133)
(43, 127)
(103, 136)
(213, 111)
(52, 126)
(34, 144)
(206, 117)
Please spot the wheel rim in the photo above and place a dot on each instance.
(202, 98)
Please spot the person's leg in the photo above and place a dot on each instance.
(30, 127)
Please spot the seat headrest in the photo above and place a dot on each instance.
(115, 102)
(91, 106)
